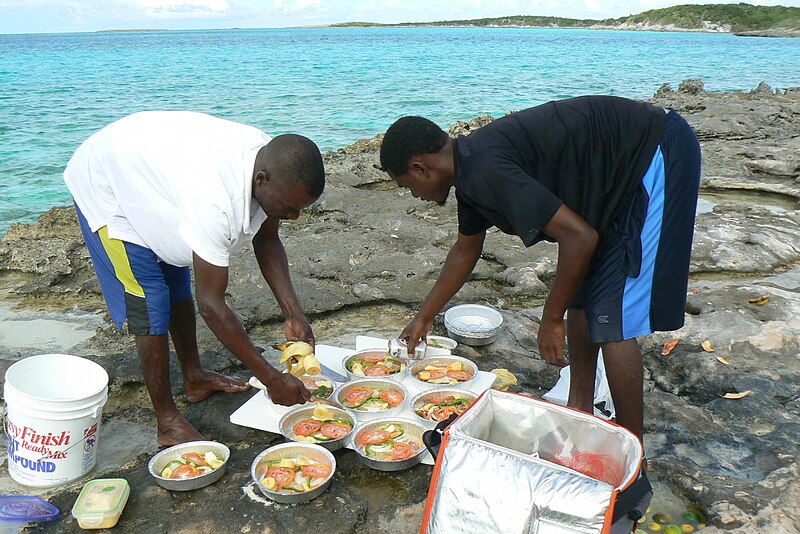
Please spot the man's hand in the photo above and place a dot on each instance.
(287, 390)
(298, 329)
(415, 330)
(551, 341)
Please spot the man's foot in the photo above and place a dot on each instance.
(204, 383)
(176, 431)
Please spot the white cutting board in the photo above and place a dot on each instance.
(260, 413)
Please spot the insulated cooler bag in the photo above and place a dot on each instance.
(501, 467)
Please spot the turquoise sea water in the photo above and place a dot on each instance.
(333, 85)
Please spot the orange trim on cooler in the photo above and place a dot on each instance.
(437, 468)
(609, 517)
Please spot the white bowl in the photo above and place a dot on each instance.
(473, 324)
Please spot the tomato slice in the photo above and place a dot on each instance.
(373, 357)
(306, 427)
(376, 370)
(335, 430)
(401, 451)
(461, 376)
(194, 457)
(374, 437)
(436, 374)
(394, 398)
(283, 476)
(310, 385)
(443, 413)
(316, 470)
(185, 471)
(357, 395)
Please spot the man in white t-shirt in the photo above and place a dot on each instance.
(159, 192)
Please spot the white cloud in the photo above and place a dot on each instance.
(184, 7)
(287, 6)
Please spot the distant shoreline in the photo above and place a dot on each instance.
(624, 27)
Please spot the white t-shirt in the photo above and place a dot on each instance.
(172, 181)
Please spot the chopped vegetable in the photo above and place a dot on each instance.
(440, 408)
(192, 464)
(446, 374)
(368, 399)
(389, 442)
(293, 475)
(375, 363)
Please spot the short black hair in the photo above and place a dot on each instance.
(299, 161)
(407, 137)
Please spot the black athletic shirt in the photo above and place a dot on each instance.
(590, 153)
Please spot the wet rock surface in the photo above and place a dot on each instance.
(365, 255)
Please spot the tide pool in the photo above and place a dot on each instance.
(335, 85)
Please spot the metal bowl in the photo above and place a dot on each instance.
(426, 396)
(409, 426)
(159, 462)
(362, 415)
(443, 361)
(397, 377)
(290, 450)
(440, 345)
(473, 324)
(287, 422)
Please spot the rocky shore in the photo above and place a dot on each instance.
(364, 256)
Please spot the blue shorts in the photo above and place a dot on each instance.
(638, 276)
(135, 285)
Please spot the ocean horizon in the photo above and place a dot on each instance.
(334, 85)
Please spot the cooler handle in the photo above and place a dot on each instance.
(433, 438)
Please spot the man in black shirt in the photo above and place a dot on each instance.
(613, 181)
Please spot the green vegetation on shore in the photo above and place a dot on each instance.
(731, 17)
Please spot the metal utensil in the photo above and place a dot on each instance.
(338, 377)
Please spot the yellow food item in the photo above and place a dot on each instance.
(286, 462)
(504, 379)
(295, 355)
(424, 375)
(301, 461)
(311, 364)
(270, 483)
(455, 366)
(166, 473)
(321, 413)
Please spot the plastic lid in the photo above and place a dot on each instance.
(101, 496)
(24, 508)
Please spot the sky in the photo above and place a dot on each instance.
(52, 16)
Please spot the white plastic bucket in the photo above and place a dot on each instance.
(54, 404)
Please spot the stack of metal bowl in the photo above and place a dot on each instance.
(288, 421)
(397, 377)
(473, 324)
(292, 450)
(410, 428)
(363, 415)
(159, 462)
